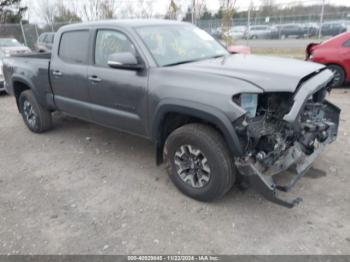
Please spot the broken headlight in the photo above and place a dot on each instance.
(249, 102)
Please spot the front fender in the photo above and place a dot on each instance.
(204, 112)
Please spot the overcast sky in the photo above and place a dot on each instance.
(161, 6)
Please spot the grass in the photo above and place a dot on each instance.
(285, 52)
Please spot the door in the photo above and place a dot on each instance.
(118, 96)
(69, 73)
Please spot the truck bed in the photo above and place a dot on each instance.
(35, 67)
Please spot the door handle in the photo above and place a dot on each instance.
(57, 73)
(95, 79)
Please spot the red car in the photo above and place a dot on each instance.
(335, 53)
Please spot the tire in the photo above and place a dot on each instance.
(339, 75)
(37, 118)
(213, 175)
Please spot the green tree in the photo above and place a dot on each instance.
(206, 14)
(188, 15)
(11, 11)
(219, 14)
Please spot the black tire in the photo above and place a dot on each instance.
(212, 148)
(339, 75)
(37, 118)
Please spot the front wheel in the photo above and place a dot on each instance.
(198, 162)
(339, 75)
(37, 118)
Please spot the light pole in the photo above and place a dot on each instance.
(193, 11)
(321, 19)
(248, 22)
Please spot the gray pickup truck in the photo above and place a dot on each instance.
(216, 119)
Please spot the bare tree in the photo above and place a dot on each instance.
(228, 7)
(93, 10)
(46, 10)
(199, 8)
(173, 11)
(268, 7)
(64, 14)
(107, 9)
(146, 7)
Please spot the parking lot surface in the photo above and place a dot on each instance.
(85, 189)
(290, 43)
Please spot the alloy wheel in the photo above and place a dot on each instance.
(192, 166)
(29, 114)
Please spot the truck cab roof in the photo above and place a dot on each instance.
(123, 23)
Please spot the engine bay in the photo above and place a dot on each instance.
(267, 139)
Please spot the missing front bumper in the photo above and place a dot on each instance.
(296, 164)
(296, 160)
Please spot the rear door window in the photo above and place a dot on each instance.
(74, 47)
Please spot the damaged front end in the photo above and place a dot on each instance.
(285, 132)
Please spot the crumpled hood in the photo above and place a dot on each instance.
(271, 74)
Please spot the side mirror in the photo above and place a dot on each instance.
(124, 60)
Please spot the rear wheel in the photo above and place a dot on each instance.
(37, 118)
(339, 75)
(198, 162)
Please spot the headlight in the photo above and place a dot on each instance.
(249, 102)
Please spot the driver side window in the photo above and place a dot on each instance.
(110, 42)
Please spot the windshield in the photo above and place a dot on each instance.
(176, 44)
(8, 42)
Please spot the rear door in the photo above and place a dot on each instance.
(69, 73)
(118, 96)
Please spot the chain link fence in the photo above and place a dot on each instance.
(27, 33)
(211, 24)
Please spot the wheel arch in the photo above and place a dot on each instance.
(19, 85)
(346, 74)
(170, 116)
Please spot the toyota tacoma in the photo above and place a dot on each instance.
(216, 119)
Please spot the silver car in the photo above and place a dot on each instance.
(259, 32)
(237, 32)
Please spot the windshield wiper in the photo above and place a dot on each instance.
(194, 60)
(183, 62)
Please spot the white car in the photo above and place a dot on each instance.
(8, 47)
(237, 32)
